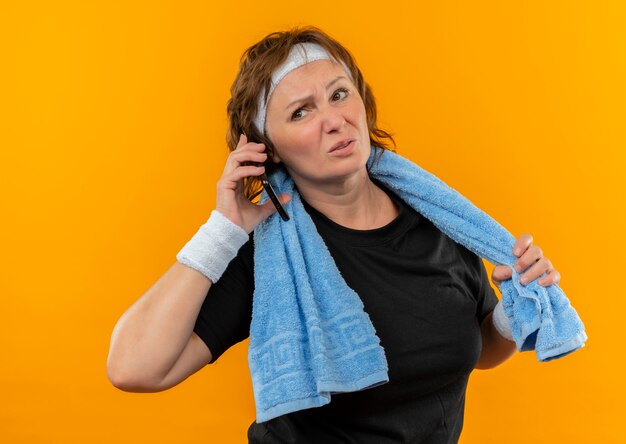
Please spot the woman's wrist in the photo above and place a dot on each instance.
(501, 321)
(212, 248)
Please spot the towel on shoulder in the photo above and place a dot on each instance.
(310, 336)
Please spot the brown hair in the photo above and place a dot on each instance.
(256, 66)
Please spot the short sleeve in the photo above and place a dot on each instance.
(226, 313)
(487, 298)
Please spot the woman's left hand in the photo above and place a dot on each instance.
(530, 264)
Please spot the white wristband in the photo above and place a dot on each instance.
(501, 321)
(212, 248)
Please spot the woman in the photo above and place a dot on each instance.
(428, 296)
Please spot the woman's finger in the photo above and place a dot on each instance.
(532, 255)
(243, 139)
(522, 244)
(251, 152)
(552, 278)
(500, 273)
(248, 155)
(540, 267)
(268, 207)
(247, 171)
(230, 180)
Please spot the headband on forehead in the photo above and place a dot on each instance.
(300, 54)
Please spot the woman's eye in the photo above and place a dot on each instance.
(297, 114)
(339, 92)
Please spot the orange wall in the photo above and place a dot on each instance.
(112, 139)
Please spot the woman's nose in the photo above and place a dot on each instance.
(333, 120)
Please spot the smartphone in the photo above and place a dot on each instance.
(270, 192)
(267, 186)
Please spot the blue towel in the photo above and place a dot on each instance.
(310, 336)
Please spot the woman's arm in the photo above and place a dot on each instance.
(532, 265)
(496, 348)
(155, 333)
(153, 346)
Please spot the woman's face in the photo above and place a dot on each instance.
(314, 108)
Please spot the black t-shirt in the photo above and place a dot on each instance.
(426, 296)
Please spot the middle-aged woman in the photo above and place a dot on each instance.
(428, 297)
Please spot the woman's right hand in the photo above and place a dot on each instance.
(231, 200)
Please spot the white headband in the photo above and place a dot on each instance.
(300, 54)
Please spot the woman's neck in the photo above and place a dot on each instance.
(357, 203)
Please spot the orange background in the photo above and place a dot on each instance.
(113, 137)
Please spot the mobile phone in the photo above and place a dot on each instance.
(270, 192)
(267, 186)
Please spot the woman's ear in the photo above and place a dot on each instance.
(274, 157)
(271, 149)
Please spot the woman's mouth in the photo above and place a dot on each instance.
(343, 150)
